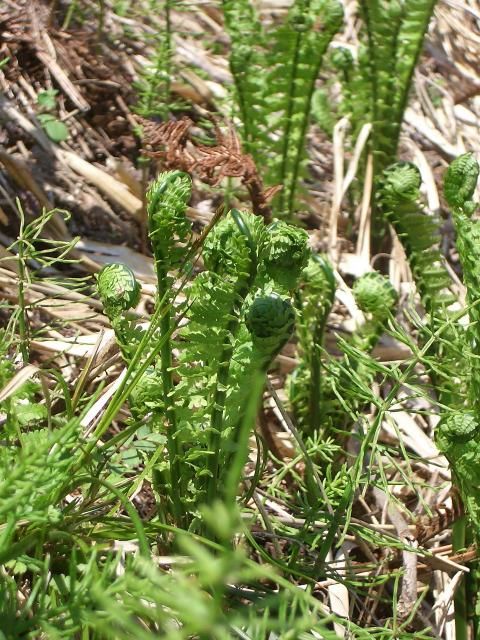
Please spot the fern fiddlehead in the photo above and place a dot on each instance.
(169, 233)
(376, 297)
(286, 255)
(457, 436)
(399, 199)
(244, 238)
(313, 302)
(119, 292)
(270, 321)
(236, 318)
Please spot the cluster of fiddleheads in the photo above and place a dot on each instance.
(236, 317)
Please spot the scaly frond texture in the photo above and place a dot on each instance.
(275, 75)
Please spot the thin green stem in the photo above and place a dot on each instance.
(315, 396)
(22, 275)
(289, 120)
(460, 598)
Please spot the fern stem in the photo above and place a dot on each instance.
(173, 446)
(216, 420)
(220, 394)
(315, 395)
(460, 598)
(288, 117)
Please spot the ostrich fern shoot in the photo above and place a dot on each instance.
(237, 316)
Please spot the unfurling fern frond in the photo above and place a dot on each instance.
(399, 199)
(246, 38)
(419, 233)
(394, 34)
(460, 183)
(270, 320)
(287, 254)
(275, 75)
(458, 438)
(236, 317)
(295, 61)
(167, 200)
(376, 297)
(313, 302)
(119, 291)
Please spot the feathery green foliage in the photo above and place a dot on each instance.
(319, 379)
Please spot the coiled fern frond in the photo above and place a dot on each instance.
(460, 183)
(419, 233)
(399, 199)
(458, 436)
(236, 317)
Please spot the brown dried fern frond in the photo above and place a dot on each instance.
(172, 145)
